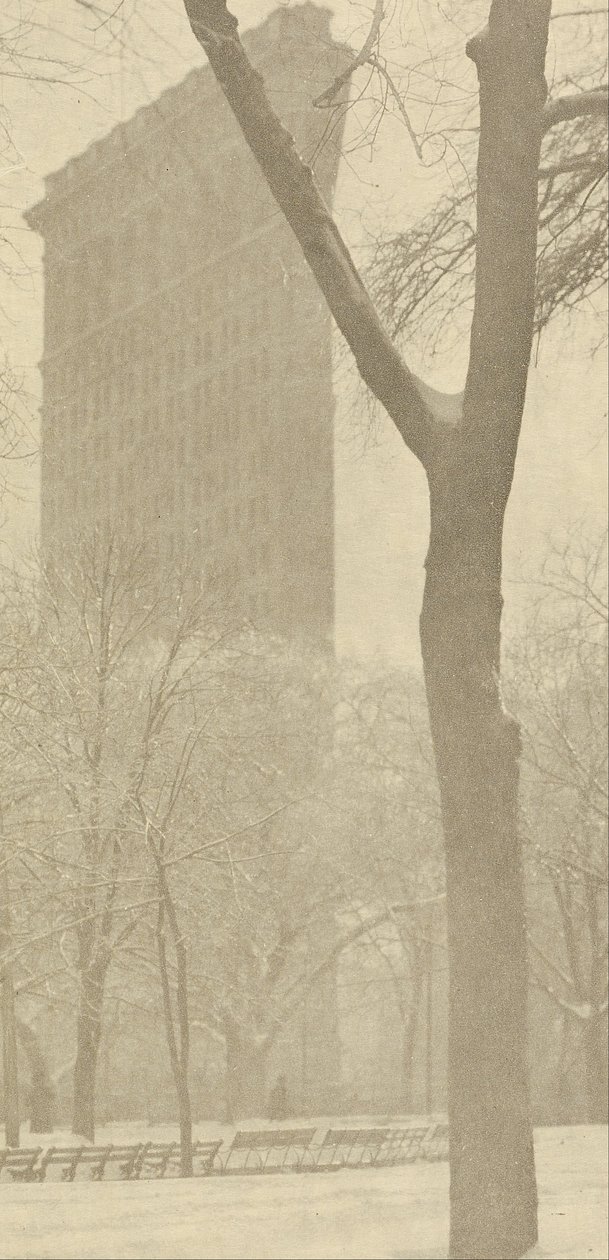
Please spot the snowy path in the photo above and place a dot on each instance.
(349, 1215)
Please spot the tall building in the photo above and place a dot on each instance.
(187, 391)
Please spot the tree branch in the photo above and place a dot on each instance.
(509, 56)
(578, 105)
(294, 188)
(359, 59)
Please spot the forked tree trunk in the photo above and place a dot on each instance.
(469, 455)
(477, 745)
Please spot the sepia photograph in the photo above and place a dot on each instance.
(303, 630)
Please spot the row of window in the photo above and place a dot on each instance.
(243, 378)
(250, 523)
(188, 428)
(103, 282)
(239, 338)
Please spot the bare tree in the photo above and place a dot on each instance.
(467, 446)
(560, 681)
(423, 276)
(99, 711)
(394, 857)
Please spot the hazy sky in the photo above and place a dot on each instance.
(381, 501)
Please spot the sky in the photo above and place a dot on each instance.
(110, 69)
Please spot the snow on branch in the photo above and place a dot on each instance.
(576, 105)
(295, 190)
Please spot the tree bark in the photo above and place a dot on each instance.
(492, 1189)
(178, 1045)
(9, 1058)
(88, 1037)
(493, 1194)
(595, 1055)
(410, 1029)
(42, 1098)
(10, 1067)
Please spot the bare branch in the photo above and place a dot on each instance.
(294, 188)
(359, 59)
(581, 104)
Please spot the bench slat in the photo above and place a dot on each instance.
(20, 1162)
(258, 1150)
(353, 1148)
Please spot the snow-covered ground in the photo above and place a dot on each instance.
(351, 1214)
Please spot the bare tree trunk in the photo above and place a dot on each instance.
(42, 1093)
(179, 1050)
(564, 1084)
(429, 1029)
(595, 1054)
(409, 1031)
(9, 1058)
(88, 1037)
(10, 1069)
(477, 746)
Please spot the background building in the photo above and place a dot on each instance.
(187, 377)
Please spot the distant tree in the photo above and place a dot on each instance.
(99, 707)
(560, 684)
(394, 857)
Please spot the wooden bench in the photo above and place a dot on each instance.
(160, 1159)
(268, 1150)
(349, 1148)
(89, 1161)
(121, 1160)
(205, 1157)
(154, 1159)
(19, 1164)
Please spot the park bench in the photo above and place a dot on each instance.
(404, 1144)
(349, 1148)
(204, 1157)
(121, 1160)
(19, 1164)
(154, 1159)
(68, 1161)
(158, 1159)
(268, 1150)
(436, 1142)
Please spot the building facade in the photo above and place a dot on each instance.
(187, 391)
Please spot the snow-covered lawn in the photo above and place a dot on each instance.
(351, 1214)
